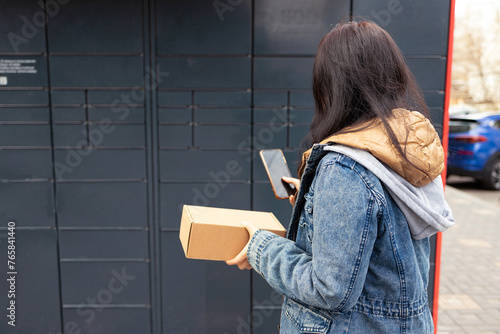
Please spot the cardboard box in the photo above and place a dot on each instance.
(216, 234)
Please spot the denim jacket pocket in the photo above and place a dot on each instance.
(307, 319)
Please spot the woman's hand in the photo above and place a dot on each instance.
(241, 259)
(296, 183)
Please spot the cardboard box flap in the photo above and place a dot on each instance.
(185, 229)
(233, 217)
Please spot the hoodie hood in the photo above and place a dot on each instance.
(418, 192)
(416, 136)
(425, 208)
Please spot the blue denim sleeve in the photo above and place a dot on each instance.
(345, 214)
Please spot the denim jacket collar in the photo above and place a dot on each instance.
(316, 153)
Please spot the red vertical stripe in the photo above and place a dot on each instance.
(437, 268)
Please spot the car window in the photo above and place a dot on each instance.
(462, 125)
(496, 124)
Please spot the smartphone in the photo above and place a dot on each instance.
(276, 167)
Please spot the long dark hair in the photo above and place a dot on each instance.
(360, 75)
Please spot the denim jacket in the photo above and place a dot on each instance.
(349, 264)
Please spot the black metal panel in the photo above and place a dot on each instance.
(97, 319)
(198, 165)
(302, 99)
(68, 115)
(17, 196)
(283, 73)
(266, 307)
(429, 72)
(264, 200)
(270, 98)
(96, 71)
(435, 99)
(276, 116)
(103, 244)
(301, 116)
(116, 114)
(223, 98)
(105, 283)
(175, 136)
(263, 295)
(219, 192)
(297, 27)
(436, 117)
(24, 114)
(205, 297)
(100, 164)
(269, 136)
(70, 135)
(113, 204)
(174, 98)
(187, 132)
(222, 136)
(116, 97)
(84, 26)
(67, 97)
(24, 97)
(419, 28)
(22, 28)
(205, 72)
(128, 135)
(25, 164)
(266, 320)
(25, 135)
(175, 115)
(37, 305)
(228, 115)
(24, 71)
(206, 27)
(297, 134)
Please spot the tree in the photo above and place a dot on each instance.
(476, 59)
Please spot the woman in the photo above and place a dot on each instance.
(356, 259)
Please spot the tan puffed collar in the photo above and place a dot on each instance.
(415, 134)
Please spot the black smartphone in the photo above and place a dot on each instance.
(276, 167)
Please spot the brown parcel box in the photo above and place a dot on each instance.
(216, 234)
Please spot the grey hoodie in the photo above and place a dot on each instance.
(425, 208)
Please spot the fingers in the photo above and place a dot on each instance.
(242, 265)
(250, 227)
(240, 260)
(294, 181)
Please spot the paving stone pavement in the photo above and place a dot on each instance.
(469, 296)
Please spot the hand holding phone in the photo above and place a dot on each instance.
(296, 183)
(276, 167)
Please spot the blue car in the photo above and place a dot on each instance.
(474, 148)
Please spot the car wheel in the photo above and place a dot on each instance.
(491, 178)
